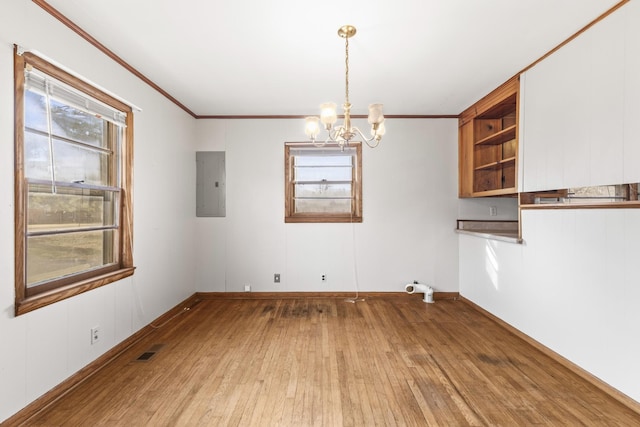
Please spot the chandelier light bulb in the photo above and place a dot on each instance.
(328, 115)
(312, 127)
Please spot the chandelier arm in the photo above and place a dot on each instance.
(330, 138)
(365, 139)
(332, 135)
(318, 144)
(372, 145)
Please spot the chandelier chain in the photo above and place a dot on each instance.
(346, 62)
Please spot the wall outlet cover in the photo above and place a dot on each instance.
(95, 334)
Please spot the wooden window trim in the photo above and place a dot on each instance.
(292, 217)
(84, 282)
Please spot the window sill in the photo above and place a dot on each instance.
(322, 218)
(46, 298)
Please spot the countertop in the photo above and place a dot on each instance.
(506, 231)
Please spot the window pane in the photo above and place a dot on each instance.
(323, 160)
(74, 124)
(69, 208)
(323, 190)
(323, 206)
(310, 173)
(74, 163)
(37, 162)
(35, 106)
(603, 193)
(54, 256)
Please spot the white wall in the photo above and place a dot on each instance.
(572, 286)
(409, 202)
(479, 208)
(42, 348)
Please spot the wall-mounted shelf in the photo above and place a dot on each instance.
(499, 137)
(488, 144)
(497, 165)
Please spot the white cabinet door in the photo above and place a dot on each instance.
(555, 103)
(605, 120)
(573, 104)
(632, 94)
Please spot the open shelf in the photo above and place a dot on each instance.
(496, 165)
(499, 137)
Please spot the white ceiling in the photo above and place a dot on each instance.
(284, 57)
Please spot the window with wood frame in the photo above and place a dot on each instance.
(323, 184)
(73, 160)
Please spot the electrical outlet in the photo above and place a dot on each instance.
(95, 334)
(276, 278)
(493, 211)
(324, 277)
(247, 288)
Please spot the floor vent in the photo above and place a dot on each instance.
(147, 355)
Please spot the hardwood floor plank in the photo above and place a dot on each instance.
(326, 362)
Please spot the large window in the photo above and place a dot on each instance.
(323, 184)
(72, 185)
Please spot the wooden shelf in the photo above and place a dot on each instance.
(499, 137)
(496, 165)
(498, 192)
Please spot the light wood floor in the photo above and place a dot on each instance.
(327, 362)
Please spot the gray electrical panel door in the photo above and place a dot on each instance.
(210, 183)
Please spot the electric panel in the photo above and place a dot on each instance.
(210, 184)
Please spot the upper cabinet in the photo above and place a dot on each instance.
(488, 144)
(580, 109)
(632, 92)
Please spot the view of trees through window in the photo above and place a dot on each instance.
(71, 201)
(603, 193)
(323, 183)
(72, 214)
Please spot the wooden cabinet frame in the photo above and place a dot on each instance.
(488, 144)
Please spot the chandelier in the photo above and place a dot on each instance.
(344, 133)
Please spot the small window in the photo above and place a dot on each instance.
(602, 194)
(323, 184)
(73, 182)
(621, 195)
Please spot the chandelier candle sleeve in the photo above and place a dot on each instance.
(344, 133)
(375, 114)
